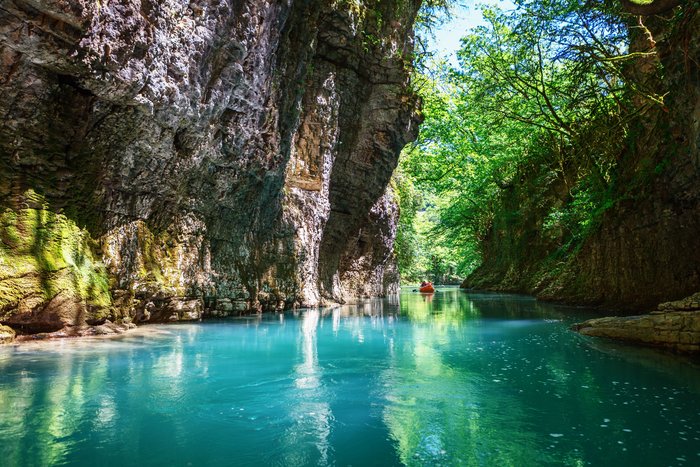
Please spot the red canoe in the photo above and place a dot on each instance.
(427, 289)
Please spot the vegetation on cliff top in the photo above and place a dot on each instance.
(523, 140)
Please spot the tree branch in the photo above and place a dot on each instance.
(656, 7)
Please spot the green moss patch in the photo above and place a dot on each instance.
(43, 253)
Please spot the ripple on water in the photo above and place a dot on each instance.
(491, 380)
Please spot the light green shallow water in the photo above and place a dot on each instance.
(459, 379)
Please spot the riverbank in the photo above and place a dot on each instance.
(673, 325)
(107, 328)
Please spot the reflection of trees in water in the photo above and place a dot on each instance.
(441, 308)
(456, 305)
(442, 405)
(437, 413)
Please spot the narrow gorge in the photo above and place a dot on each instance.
(215, 216)
(173, 160)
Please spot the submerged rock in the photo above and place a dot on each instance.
(210, 157)
(675, 326)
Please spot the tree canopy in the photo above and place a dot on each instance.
(542, 101)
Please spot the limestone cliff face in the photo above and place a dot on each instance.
(160, 160)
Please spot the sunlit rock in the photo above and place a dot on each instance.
(675, 325)
(222, 157)
(7, 334)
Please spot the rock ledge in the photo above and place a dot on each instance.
(674, 325)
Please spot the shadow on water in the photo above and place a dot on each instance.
(457, 304)
(673, 365)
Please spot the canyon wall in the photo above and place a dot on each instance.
(645, 248)
(168, 159)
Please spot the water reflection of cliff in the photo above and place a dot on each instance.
(310, 411)
(82, 398)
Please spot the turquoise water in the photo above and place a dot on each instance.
(456, 379)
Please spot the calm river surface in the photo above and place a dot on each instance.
(454, 379)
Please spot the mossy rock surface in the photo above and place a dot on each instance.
(45, 255)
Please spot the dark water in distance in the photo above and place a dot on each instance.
(459, 379)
